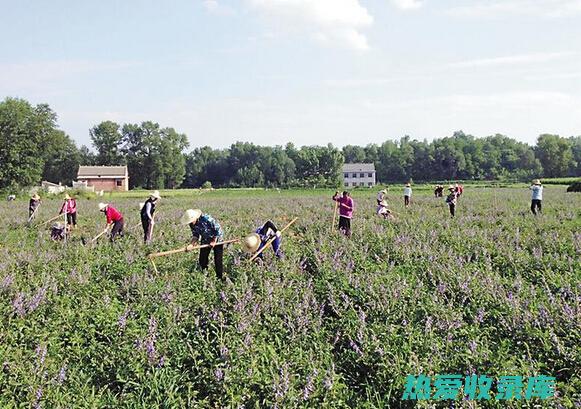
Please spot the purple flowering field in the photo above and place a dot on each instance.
(336, 323)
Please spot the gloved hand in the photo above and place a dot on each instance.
(278, 234)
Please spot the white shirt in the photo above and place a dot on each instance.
(537, 192)
(407, 191)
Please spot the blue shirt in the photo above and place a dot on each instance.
(537, 192)
(206, 229)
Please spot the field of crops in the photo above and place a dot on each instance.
(336, 323)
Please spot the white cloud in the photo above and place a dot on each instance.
(539, 8)
(407, 4)
(214, 7)
(330, 22)
(511, 60)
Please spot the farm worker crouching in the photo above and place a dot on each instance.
(383, 211)
(407, 194)
(147, 211)
(69, 208)
(206, 230)
(115, 218)
(452, 199)
(537, 196)
(257, 240)
(346, 206)
(381, 196)
(33, 204)
(59, 232)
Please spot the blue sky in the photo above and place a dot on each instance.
(302, 71)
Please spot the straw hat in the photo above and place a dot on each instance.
(67, 197)
(383, 191)
(155, 195)
(451, 187)
(103, 206)
(251, 242)
(383, 203)
(407, 185)
(58, 225)
(536, 182)
(190, 216)
(35, 197)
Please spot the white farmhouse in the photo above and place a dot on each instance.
(359, 174)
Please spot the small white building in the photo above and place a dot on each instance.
(359, 174)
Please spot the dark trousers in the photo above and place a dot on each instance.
(536, 206)
(72, 219)
(345, 225)
(117, 229)
(147, 229)
(218, 259)
(452, 209)
(406, 200)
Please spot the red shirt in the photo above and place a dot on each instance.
(113, 215)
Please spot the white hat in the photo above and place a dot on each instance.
(67, 197)
(190, 216)
(251, 242)
(103, 206)
(155, 195)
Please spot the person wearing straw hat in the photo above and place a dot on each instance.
(69, 208)
(407, 194)
(383, 211)
(452, 199)
(115, 218)
(381, 196)
(346, 206)
(206, 230)
(59, 231)
(33, 205)
(147, 211)
(257, 240)
(537, 196)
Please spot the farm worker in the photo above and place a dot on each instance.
(381, 196)
(459, 189)
(346, 206)
(206, 230)
(383, 211)
(438, 192)
(257, 240)
(452, 199)
(147, 211)
(59, 232)
(407, 194)
(537, 196)
(33, 204)
(115, 218)
(69, 208)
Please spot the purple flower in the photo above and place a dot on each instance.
(38, 397)
(6, 282)
(219, 374)
(309, 387)
(37, 299)
(480, 316)
(62, 375)
(18, 305)
(122, 322)
(40, 356)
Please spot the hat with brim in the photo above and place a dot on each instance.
(383, 203)
(155, 195)
(35, 197)
(451, 187)
(251, 243)
(103, 206)
(407, 185)
(67, 197)
(191, 216)
(536, 182)
(383, 191)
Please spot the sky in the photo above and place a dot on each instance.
(302, 71)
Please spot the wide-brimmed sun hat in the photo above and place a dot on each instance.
(451, 187)
(251, 242)
(536, 182)
(407, 185)
(103, 206)
(383, 191)
(190, 216)
(67, 197)
(155, 195)
(383, 203)
(35, 197)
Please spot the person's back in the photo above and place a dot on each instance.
(537, 192)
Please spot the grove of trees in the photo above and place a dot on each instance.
(32, 148)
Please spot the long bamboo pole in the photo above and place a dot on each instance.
(33, 213)
(99, 235)
(49, 220)
(189, 247)
(269, 242)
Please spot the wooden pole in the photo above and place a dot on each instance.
(335, 216)
(189, 247)
(99, 235)
(269, 242)
(154, 266)
(50, 220)
(33, 213)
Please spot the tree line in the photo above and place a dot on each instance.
(33, 148)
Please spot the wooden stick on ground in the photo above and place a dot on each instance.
(269, 242)
(335, 216)
(189, 247)
(49, 220)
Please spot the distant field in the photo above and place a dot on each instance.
(337, 323)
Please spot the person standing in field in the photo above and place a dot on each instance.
(459, 190)
(206, 230)
(33, 205)
(346, 206)
(257, 240)
(407, 194)
(537, 196)
(147, 212)
(452, 199)
(69, 208)
(114, 218)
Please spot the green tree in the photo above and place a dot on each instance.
(107, 139)
(555, 155)
(61, 158)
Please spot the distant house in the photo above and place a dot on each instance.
(107, 178)
(359, 174)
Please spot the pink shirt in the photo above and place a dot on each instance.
(69, 206)
(346, 206)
